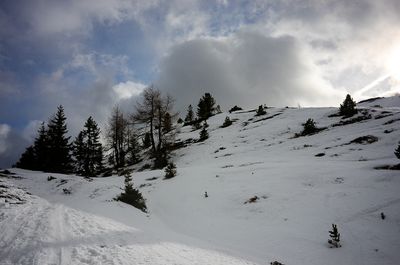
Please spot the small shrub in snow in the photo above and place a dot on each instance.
(276, 263)
(260, 111)
(205, 195)
(252, 199)
(50, 178)
(367, 139)
(335, 237)
(66, 191)
(383, 216)
(309, 127)
(132, 196)
(227, 122)
(170, 171)
(235, 108)
(179, 121)
(397, 151)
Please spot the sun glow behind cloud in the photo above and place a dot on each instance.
(393, 63)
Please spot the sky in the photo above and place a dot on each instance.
(91, 55)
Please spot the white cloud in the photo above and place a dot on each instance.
(129, 89)
(4, 133)
(78, 16)
(30, 130)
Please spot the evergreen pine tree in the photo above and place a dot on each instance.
(88, 151)
(335, 237)
(132, 196)
(189, 116)
(27, 159)
(170, 171)
(203, 132)
(41, 149)
(309, 127)
(205, 107)
(348, 109)
(59, 147)
(79, 153)
(94, 151)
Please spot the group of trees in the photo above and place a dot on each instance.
(205, 109)
(53, 152)
(124, 132)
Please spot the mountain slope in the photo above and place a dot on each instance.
(299, 196)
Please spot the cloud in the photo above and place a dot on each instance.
(351, 41)
(246, 68)
(126, 90)
(11, 145)
(30, 131)
(4, 132)
(89, 56)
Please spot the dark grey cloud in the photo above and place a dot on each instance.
(247, 68)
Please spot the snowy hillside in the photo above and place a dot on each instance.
(302, 184)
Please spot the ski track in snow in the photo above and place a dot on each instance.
(39, 232)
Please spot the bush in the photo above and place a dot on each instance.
(179, 121)
(347, 109)
(397, 151)
(132, 196)
(170, 171)
(235, 108)
(260, 111)
(227, 122)
(309, 127)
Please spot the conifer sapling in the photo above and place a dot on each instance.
(260, 111)
(397, 151)
(335, 237)
(348, 109)
(204, 133)
(132, 196)
(170, 171)
(227, 122)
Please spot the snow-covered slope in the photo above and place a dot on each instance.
(299, 196)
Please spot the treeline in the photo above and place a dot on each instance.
(147, 132)
(52, 150)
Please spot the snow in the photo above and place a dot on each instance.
(300, 196)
